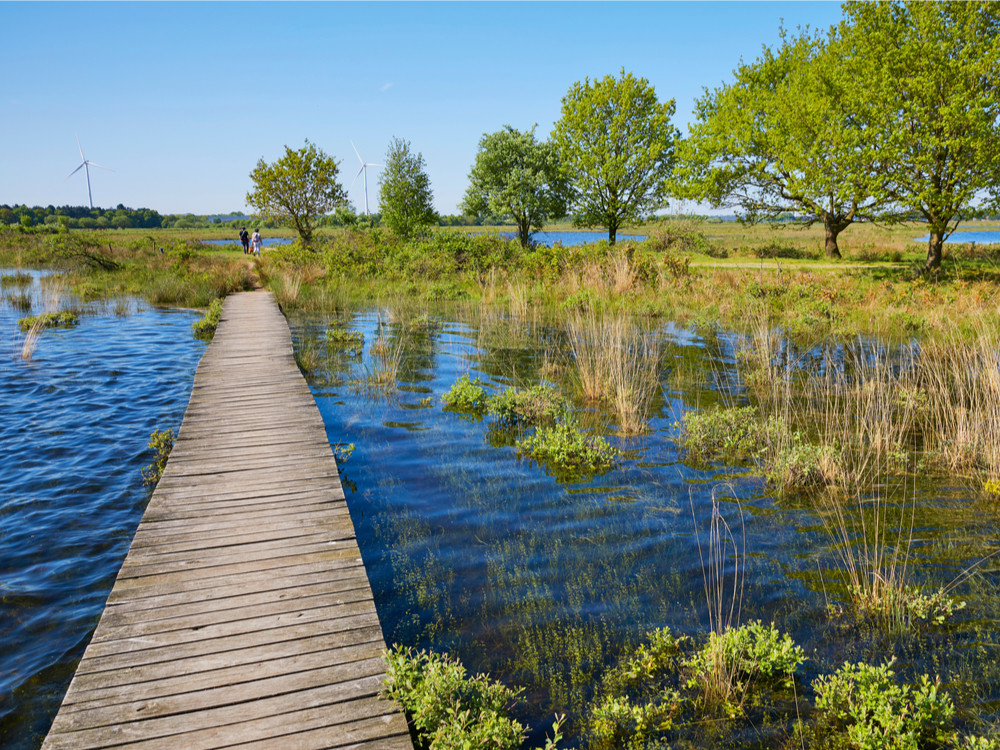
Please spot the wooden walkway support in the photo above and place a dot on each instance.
(242, 615)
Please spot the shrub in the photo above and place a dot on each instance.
(736, 659)
(161, 442)
(447, 708)
(466, 395)
(568, 452)
(205, 328)
(732, 434)
(619, 724)
(539, 404)
(61, 319)
(868, 709)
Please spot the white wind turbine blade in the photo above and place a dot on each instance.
(75, 171)
(98, 165)
(82, 157)
(357, 175)
(356, 152)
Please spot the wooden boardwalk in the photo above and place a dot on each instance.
(242, 615)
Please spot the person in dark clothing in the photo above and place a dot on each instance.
(245, 240)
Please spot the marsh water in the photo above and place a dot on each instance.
(75, 421)
(542, 582)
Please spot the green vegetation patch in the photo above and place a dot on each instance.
(466, 395)
(568, 452)
(161, 442)
(540, 404)
(341, 339)
(727, 434)
(205, 327)
(61, 319)
(16, 280)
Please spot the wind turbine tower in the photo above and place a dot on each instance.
(85, 165)
(362, 171)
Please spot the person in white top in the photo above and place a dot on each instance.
(256, 242)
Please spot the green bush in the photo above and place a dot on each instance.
(540, 404)
(727, 434)
(569, 453)
(466, 396)
(733, 661)
(161, 442)
(864, 708)
(61, 319)
(449, 709)
(205, 327)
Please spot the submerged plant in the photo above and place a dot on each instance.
(341, 339)
(161, 442)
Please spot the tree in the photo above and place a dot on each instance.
(616, 140)
(296, 189)
(518, 176)
(405, 190)
(782, 137)
(928, 97)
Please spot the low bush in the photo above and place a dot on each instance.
(466, 395)
(161, 442)
(341, 339)
(540, 404)
(61, 319)
(863, 707)
(205, 327)
(568, 452)
(727, 434)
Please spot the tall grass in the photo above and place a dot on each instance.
(616, 362)
(54, 289)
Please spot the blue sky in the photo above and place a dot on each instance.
(180, 100)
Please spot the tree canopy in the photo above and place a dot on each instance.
(518, 176)
(927, 94)
(616, 141)
(782, 137)
(405, 190)
(296, 189)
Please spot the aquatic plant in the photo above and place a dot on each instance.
(870, 710)
(466, 395)
(204, 328)
(539, 404)
(60, 319)
(341, 339)
(161, 442)
(451, 710)
(18, 280)
(568, 452)
(740, 658)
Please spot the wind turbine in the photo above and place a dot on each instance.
(364, 171)
(85, 166)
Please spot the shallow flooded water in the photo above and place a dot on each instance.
(544, 583)
(75, 421)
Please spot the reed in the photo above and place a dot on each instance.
(616, 362)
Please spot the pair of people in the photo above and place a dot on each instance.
(251, 244)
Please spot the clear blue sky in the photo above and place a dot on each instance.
(182, 99)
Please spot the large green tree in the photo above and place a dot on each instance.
(616, 142)
(296, 189)
(405, 190)
(782, 137)
(927, 94)
(517, 176)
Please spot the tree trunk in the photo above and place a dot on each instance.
(612, 232)
(832, 228)
(935, 247)
(524, 232)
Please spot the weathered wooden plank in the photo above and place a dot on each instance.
(242, 615)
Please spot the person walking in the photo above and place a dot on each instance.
(245, 240)
(256, 241)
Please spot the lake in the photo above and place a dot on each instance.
(980, 237)
(543, 238)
